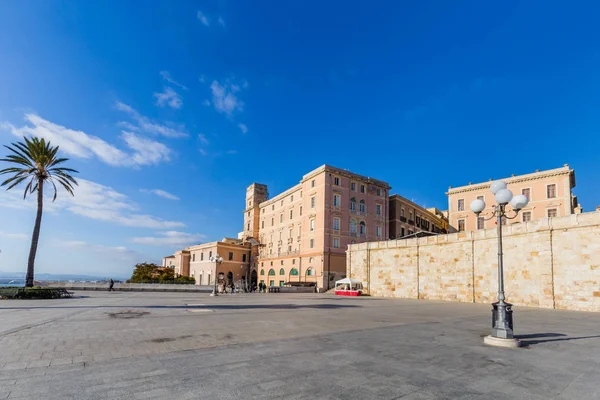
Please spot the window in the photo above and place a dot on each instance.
(410, 216)
(336, 181)
(282, 203)
(300, 210)
(352, 226)
(362, 227)
(291, 198)
(272, 221)
(248, 227)
(353, 186)
(378, 231)
(243, 258)
(271, 272)
(480, 223)
(401, 232)
(273, 207)
(271, 283)
(527, 193)
(461, 225)
(336, 243)
(479, 197)
(353, 204)
(262, 271)
(310, 272)
(293, 261)
(194, 257)
(201, 256)
(312, 225)
(552, 213)
(249, 203)
(461, 204)
(336, 224)
(280, 218)
(294, 272)
(312, 202)
(402, 212)
(248, 213)
(210, 254)
(310, 260)
(417, 220)
(312, 243)
(230, 256)
(526, 215)
(281, 283)
(378, 192)
(290, 234)
(312, 184)
(291, 214)
(281, 262)
(378, 209)
(362, 188)
(337, 199)
(271, 263)
(362, 206)
(551, 191)
(262, 225)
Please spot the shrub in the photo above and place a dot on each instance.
(31, 293)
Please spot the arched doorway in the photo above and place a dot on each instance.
(253, 279)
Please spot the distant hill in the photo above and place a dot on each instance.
(56, 277)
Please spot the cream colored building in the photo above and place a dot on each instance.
(303, 233)
(407, 218)
(195, 261)
(549, 192)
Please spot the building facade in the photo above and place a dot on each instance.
(407, 219)
(549, 192)
(302, 234)
(195, 261)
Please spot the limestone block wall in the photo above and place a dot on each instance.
(549, 263)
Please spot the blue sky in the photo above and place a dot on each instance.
(170, 111)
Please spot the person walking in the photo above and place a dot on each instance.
(111, 283)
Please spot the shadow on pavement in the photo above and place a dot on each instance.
(208, 306)
(536, 338)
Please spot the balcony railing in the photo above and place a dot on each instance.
(402, 219)
(353, 234)
(411, 222)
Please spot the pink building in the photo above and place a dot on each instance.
(549, 192)
(303, 233)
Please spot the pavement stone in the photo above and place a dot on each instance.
(292, 346)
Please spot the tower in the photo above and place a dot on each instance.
(255, 194)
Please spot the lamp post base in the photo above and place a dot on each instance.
(499, 342)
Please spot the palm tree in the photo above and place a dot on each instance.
(36, 161)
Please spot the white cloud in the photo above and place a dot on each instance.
(203, 139)
(81, 145)
(114, 252)
(167, 77)
(160, 193)
(147, 126)
(221, 22)
(18, 236)
(91, 200)
(224, 98)
(203, 18)
(168, 97)
(170, 238)
(243, 128)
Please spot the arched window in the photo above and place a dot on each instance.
(294, 272)
(362, 206)
(352, 226)
(310, 260)
(363, 227)
(310, 272)
(271, 272)
(353, 204)
(262, 271)
(281, 271)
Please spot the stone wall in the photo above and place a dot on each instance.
(549, 263)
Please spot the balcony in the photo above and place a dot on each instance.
(411, 222)
(352, 234)
(402, 219)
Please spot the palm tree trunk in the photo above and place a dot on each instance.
(36, 234)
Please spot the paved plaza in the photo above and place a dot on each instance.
(127, 345)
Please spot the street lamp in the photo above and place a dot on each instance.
(217, 260)
(502, 322)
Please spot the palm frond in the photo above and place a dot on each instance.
(16, 182)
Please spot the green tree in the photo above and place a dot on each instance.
(143, 272)
(35, 162)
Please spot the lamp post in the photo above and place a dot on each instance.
(217, 260)
(502, 322)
